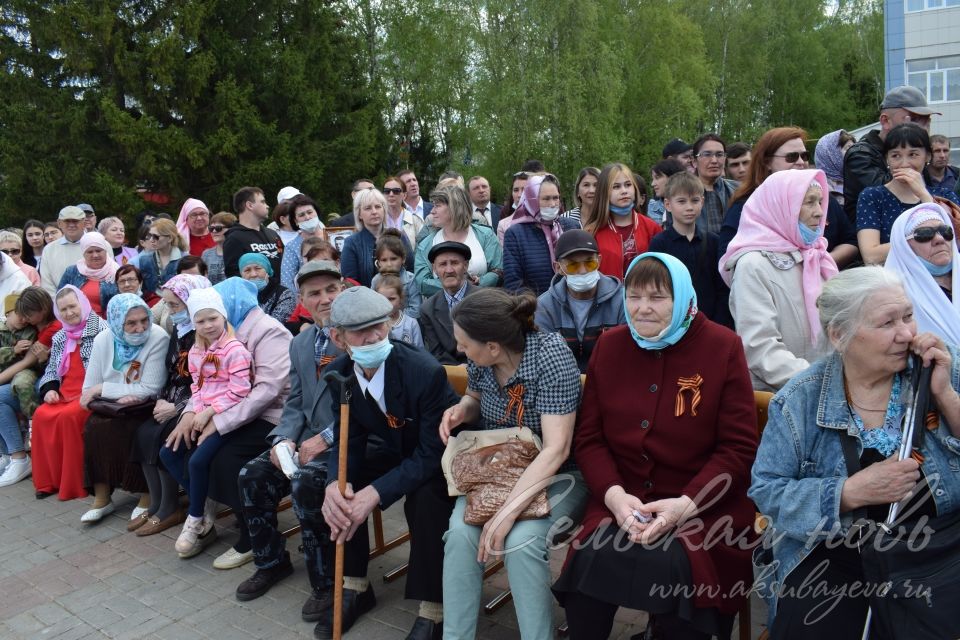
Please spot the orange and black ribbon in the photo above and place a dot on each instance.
(393, 422)
(515, 404)
(210, 358)
(183, 364)
(693, 386)
(133, 373)
(324, 361)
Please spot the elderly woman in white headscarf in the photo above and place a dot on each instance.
(924, 253)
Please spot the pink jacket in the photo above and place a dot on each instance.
(221, 374)
(269, 342)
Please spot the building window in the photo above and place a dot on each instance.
(923, 5)
(937, 78)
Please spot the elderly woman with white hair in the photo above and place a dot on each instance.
(356, 259)
(923, 252)
(855, 399)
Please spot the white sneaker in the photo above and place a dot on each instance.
(4, 461)
(17, 470)
(231, 559)
(194, 537)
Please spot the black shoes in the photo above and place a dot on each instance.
(424, 629)
(319, 603)
(261, 581)
(354, 605)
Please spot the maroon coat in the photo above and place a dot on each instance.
(628, 435)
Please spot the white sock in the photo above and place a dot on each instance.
(356, 584)
(432, 611)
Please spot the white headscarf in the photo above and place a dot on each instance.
(931, 307)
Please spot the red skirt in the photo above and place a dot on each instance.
(57, 444)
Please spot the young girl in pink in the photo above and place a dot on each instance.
(221, 369)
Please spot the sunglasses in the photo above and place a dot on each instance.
(216, 228)
(154, 236)
(926, 234)
(10, 252)
(395, 192)
(572, 268)
(793, 156)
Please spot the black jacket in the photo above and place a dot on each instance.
(416, 393)
(240, 240)
(864, 166)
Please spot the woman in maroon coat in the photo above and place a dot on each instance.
(665, 439)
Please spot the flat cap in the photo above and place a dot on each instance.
(448, 246)
(675, 147)
(318, 268)
(358, 308)
(71, 212)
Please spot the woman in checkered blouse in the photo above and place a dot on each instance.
(517, 376)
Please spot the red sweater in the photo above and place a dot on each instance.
(627, 435)
(611, 249)
(199, 244)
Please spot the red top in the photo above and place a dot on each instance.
(45, 335)
(91, 289)
(199, 244)
(628, 434)
(614, 260)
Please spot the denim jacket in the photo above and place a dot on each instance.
(799, 471)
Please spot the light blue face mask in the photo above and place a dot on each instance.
(808, 235)
(260, 284)
(180, 317)
(371, 356)
(621, 211)
(136, 339)
(937, 270)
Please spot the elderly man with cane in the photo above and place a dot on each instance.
(394, 451)
(296, 462)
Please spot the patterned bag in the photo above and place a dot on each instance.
(487, 475)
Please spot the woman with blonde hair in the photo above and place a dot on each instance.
(160, 265)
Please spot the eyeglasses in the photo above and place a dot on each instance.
(710, 155)
(10, 252)
(793, 156)
(216, 228)
(926, 234)
(128, 281)
(572, 267)
(198, 215)
(393, 191)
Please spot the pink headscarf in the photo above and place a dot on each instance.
(73, 332)
(188, 206)
(528, 212)
(770, 223)
(105, 273)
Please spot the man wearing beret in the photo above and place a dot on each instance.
(450, 261)
(304, 436)
(396, 403)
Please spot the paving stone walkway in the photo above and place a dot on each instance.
(60, 579)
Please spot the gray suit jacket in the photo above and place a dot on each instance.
(307, 410)
(436, 325)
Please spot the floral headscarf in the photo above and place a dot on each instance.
(117, 310)
(181, 285)
(528, 212)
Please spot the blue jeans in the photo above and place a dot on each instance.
(526, 559)
(11, 440)
(194, 475)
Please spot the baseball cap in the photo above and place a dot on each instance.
(287, 193)
(71, 212)
(675, 147)
(909, 98)
(573, 241)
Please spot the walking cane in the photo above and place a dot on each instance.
(913, 432)
(345, 382)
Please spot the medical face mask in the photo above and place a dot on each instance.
(937, 270)
(808, 235)
(136, 339)
(309, 225)
(260, 284)
(371, 356)
(583, 282)
(621, 211)
(180, 318)
(549, 214)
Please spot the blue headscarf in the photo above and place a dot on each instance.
(684, 303)
(118, 308)
(255, 258)
(239, 297)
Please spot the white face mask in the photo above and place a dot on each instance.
(310, 225)
(583, 282)
(549, 214)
